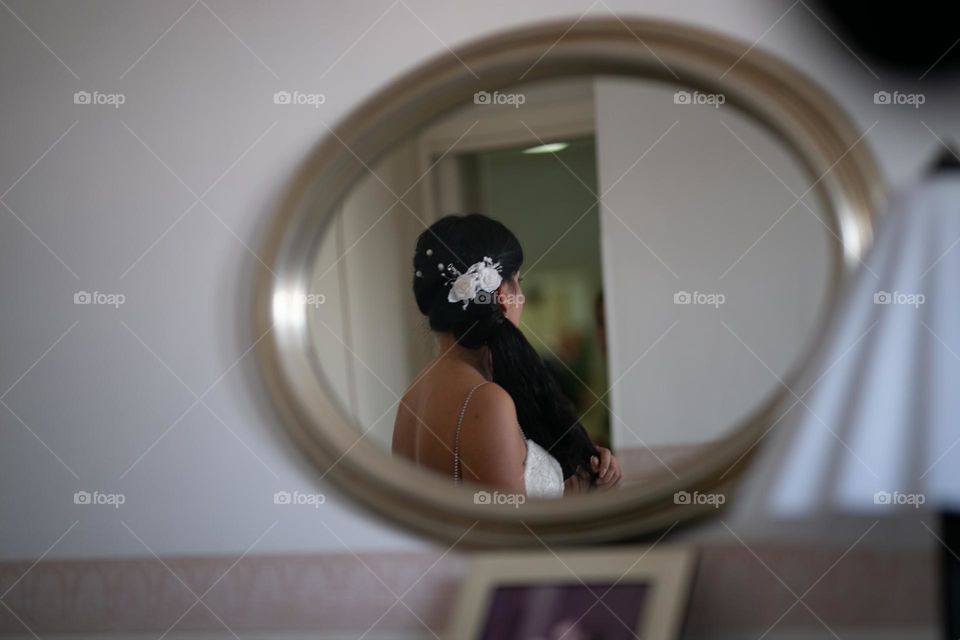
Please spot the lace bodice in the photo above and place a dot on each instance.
(542, 473)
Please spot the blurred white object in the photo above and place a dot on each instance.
(879, 428)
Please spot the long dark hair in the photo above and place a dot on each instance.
(546, 415)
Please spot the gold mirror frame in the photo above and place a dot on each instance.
(785, 101)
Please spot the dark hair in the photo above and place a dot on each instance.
(546, 415)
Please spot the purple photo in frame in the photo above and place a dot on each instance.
(574, 611)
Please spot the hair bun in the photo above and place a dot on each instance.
(462, 241)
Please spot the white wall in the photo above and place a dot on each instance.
(198, 96)
(374, 335)
(688, 218)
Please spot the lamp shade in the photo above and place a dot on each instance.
(875, 424)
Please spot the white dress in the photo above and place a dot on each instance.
(542, 473)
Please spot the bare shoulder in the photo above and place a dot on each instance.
(492, 446)
(492, 409)
(494, 397)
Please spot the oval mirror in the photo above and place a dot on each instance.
(670, 212)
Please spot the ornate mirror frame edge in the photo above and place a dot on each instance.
(805, 118)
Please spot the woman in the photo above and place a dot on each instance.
(486, 409)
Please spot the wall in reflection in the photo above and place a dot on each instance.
(700, 205)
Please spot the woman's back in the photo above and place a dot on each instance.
(466, 283)
(491, 445)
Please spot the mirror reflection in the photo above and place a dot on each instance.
(571, 286)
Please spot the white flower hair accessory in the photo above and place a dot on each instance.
(480, 276)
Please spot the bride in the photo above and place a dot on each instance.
(486, 409)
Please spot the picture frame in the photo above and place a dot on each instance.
(624, 592)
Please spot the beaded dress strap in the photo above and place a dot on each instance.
(456, 437)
